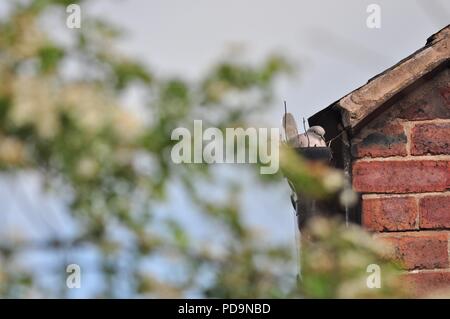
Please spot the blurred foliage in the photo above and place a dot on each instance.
(335, 260)
(308, 177)
(61, 115)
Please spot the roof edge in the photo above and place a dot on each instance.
(360, 103)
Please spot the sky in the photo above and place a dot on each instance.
(328, 40)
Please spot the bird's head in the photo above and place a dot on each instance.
(318, 130)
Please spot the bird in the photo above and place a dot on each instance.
(314, 137)
(290, 128)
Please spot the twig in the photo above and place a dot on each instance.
(329, 142)
(304, 128)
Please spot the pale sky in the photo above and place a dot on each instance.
(328, 39)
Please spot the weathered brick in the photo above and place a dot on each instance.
(435, 212)
(389, 214)
(401, 176)
(389, 140)
(427, 103)
(420, 250)
(430, 138)
(425, 110)
(445, 93)
(424, 283)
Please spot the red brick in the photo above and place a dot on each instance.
(424, 283)
(401, 176)
(424, 110)
(445, 93)
(432, 101)
(389, 214)
(420, 250)
(430, 139)
(435, 212)
(389, 140)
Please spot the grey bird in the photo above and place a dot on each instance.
(314, 137)
(290, 130)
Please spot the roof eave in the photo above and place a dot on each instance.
(358, 105)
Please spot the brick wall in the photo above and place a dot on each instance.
(401, 165)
